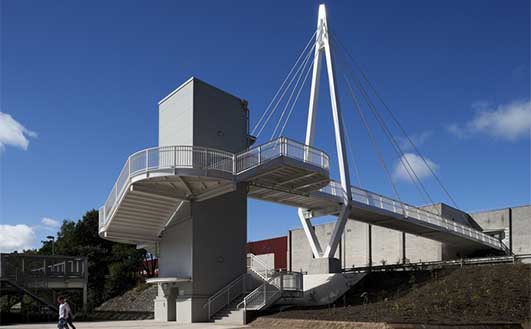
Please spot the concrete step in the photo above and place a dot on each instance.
(230, 316)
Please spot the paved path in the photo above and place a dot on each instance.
(138, 324)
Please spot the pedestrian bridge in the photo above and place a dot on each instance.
(156, 185)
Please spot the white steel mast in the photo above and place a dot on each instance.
(322, 45)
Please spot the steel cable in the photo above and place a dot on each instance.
(301, 55)
(397, 122)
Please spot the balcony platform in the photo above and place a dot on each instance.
(156, 185)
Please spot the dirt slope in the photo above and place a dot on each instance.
(476, 294)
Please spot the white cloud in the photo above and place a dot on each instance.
(50, 222)
(507, 121)
(417, 164)
(16, 237)
(417, 139)
(13, 133)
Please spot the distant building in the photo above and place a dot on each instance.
(512, 225)
(272, 252)
(363, 244)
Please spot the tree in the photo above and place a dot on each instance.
(113, 267)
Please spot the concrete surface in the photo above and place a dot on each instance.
(362, 244)
(322, 289)
(209, 245)
(137, 324)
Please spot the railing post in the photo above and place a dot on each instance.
(147, 160)
(259, 154)
(265, 293)
(45, 271)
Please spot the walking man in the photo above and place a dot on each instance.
(69, 315)
(62, 312)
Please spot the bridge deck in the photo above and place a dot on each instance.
(155, 186)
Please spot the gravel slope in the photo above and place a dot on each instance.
(138, 299)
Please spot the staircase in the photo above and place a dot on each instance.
(230, 314)
(24, 291)
(255, 290)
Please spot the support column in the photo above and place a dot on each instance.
(322, 44)
(85, 285)
(310, 234)
(165, 304)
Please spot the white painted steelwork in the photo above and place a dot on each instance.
(411, 213)
(265, 168)
(149, 193)
(322, 45)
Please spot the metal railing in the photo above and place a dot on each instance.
(226, 295)
(260, 297)
(197, 157)
(32, 269)
(427, 265)
(281, 147)
(273, 289)
(165, 157)
(406, 210)
(260, 268)
(275, 283)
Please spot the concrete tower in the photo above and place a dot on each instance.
(204, 247)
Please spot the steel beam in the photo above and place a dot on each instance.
(310, 234)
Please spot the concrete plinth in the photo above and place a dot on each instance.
(165, 303)
(324, 266)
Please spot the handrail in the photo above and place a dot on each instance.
(406, 210)
(198, 157)
(225, 291)
(166, 157)
(281, 147)
(228, 286)
(260, 292)
(251, 258)
(279, 283)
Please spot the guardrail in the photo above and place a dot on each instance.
(406, 210)
(166, 157)
(281, 147)
(226, 295)
(25, 269)
(441, 263)
(260, 268)
(272, 289)
(197, 157)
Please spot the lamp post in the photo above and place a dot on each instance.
(52, 240)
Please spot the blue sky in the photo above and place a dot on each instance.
(80, 82)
